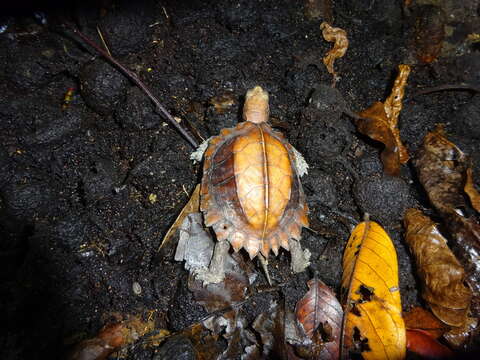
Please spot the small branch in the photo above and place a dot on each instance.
(464, 87)
(132, 76)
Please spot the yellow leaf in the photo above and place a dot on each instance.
(373, 324)
(193, 205)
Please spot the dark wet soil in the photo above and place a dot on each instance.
(88, 192)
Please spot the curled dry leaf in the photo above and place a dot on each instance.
(471, 191)
(442, 170)
(441, 166)
(193, 205)
(380, 123)
(339, 37)
(466, 233)
(440, 272)
(373, 325)
(423, 344)
(321, 314)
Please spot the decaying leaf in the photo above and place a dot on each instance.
(380, 123)
(339, 37)
(193, 205)
(471, 191)
(279, 334)
(373, 325)
(195, 244)
(429, 33)
(442, 170)
(441, 166)
(205, 343)
(419, 318)
(441, 274)
(320, 314)
(423, 344)
(466, 233)
(112, 337)
(319, 9)
(227, 293)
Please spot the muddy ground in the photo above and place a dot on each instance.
(78, 222)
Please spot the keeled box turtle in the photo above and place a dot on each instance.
(251, 193)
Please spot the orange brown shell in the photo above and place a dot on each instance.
(251, 193)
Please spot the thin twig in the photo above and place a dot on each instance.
(464, 87)
(132, 76)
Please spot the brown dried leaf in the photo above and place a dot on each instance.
(112, 337)
(466, 233)
(321, 315)
(420, 319)
(380, 123)
(441, 166)
(442, 169)
(441, 274)
(471, 191)
(193, 205)
(339, 37)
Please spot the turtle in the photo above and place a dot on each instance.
(251, 194)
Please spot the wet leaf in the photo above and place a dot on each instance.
(458, 337)
(380, 123)
(339, 37)
(192, 206)
(320, 313)
(471, 191)
(420, 319)
(423, 344)
(441, 274)
(373, 325)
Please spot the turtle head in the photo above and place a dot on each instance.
(256, 108)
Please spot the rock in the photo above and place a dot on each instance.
(103, 87)
(177, 347)
(137, 111)
(385, 198)
(126, 26)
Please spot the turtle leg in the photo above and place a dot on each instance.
(215, 272)
(300, 258)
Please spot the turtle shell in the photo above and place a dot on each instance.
(251, 193)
